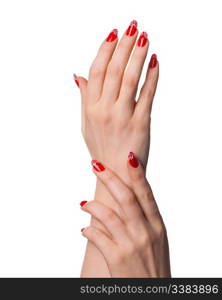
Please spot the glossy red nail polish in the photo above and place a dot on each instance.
(132, 28)
(112, 36)
(83, 203)
(76, 80)
(133, 161)
(82, 229)
(153, 61)
(142, 39)
(97, 166)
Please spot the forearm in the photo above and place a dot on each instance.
(94, 264)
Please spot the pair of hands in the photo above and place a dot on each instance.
(126, 228)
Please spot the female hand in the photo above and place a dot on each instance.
(113, 120)
(133, 239)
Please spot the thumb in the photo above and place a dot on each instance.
(81, 82)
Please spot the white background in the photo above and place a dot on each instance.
(44, 164)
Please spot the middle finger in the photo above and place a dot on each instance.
(118, 62)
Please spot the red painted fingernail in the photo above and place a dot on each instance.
(97, 166)
(153, 61)
(112, 36)
(142, 39)
(76, 80)
(83, 203)
(133, 161)
(82, 229)
(132, 28)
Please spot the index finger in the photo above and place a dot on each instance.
(98, 68)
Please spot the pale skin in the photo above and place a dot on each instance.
(116, 121)
(134, 242)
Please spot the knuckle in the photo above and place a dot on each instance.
(150, 93)
(110, 216)
(103, 114)
(99, 114)
(130, 80)
(144, 242)
(120, 120)
(117, 257)
(139, 178)
(90, 111)
(148, 195)
(160, 231)
(128, 197)
(104, 118)
(110, 176)
(130, 251)
(95, 71)
(123, 255)
(139, 55)
(114, 70)
(123, 48)
(94, 233)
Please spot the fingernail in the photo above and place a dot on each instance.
(97, 166)
(82, 229)
(112, 36)
(142, 39)
(133, 161)
(132, 28)
(153, 61)
(76, 80)
(83, 203)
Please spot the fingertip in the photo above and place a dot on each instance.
(97, 166)
(112, 36)
(84, 231)
(75, 77)
(135, 168)
(153, 61)
(152, 73)
(81, 83)
(82, 203)
(133, 160)
(148, 90)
